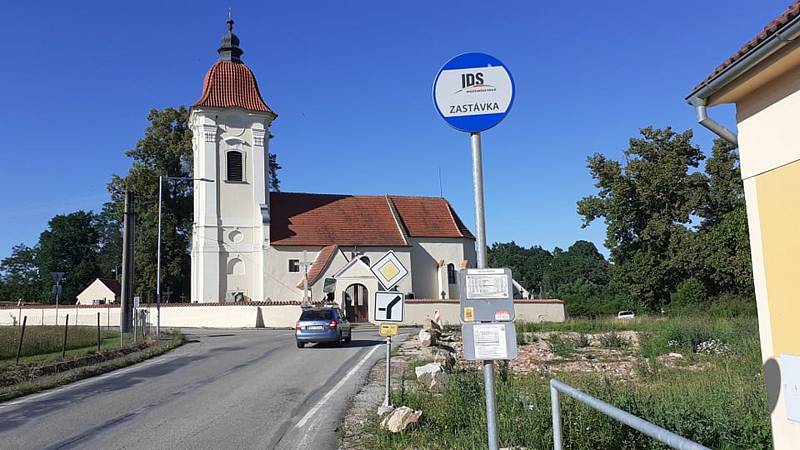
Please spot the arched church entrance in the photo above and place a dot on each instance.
(356, 301)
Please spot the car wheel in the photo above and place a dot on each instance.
(301, 344)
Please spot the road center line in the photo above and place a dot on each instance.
(336, 388)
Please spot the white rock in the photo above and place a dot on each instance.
(431, 375)
(425, 338)
(400, 419)
(384, 410)
(675, 355)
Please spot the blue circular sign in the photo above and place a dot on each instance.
(473, 92)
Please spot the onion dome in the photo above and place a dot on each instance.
(230, 83)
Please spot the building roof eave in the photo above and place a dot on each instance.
(774, 37)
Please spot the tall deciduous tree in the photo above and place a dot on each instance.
(725, 188)
(646, 203)
(528, 265)
(19, 275)
(69, 245)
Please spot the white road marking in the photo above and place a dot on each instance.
(336, 388)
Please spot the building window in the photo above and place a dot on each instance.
(451, 274)
(294, 265)
(235, 166)
(365, 260)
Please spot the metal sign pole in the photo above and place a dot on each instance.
(480, 225)
(387, 400)
(57, 292)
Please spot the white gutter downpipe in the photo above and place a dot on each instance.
(716, 127)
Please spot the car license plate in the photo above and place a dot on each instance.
(314, 327)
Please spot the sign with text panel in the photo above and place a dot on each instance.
(487, 295)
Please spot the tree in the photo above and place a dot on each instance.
(109, 228)
(646, 202)
(19, 275)
(165, 149)
(581, 265)
(725, 188)
(70, 245)
(528, 265)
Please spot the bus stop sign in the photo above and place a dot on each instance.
(487, 295)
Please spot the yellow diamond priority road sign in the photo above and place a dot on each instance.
(389, 270)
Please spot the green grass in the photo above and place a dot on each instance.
(722, 406)
(43, 340)
(562, 346)
(132, 353)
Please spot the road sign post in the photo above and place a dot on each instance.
(389, 306)
(473, 92)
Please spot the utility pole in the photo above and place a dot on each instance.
(158, 260)
(126, 300)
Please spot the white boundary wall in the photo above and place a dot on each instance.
(271, 315)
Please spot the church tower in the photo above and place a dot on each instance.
(230, 237)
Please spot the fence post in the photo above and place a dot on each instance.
(556, 412)
(21, 336)
(98, 332)
(64, 346)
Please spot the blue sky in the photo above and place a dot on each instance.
(351, 82)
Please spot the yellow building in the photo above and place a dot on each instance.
(763, 80)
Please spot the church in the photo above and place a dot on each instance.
(250, 244)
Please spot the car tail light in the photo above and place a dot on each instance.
(297, 326)
(333, 324)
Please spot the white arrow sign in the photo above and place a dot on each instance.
(389, 306)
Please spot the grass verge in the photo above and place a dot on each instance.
(721, 405)
(38, 376)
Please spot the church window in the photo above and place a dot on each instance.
(235, 166)
(294, 265)
(451, 274)
(235, 267)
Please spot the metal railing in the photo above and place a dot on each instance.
(654, 431)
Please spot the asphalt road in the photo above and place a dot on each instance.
(224, 389)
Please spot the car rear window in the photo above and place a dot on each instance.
(322, 314)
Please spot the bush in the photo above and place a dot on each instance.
(613, 340)
(690, 292)
(562, 346)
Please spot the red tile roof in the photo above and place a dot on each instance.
(323, 259)
(791, 12)
(231, 84)
(359, 220)
(429, 217)
(111, 284)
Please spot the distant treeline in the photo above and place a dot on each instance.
(676, 233)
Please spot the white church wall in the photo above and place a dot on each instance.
(427, 252)
(280, 284)
(246, 316)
